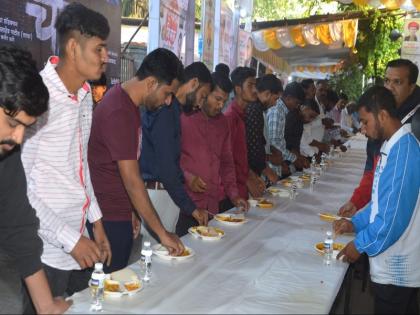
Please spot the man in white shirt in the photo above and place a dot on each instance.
(55, 153)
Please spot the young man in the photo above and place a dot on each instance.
(114, 150)
(292, 97)
(388, 228)
(206, 155)
(161, 150)
(243, 79)
(23, 97)
(269, 89)
(400, 78)
(55, 153)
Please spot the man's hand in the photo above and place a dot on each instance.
(347, 210)
(301, 162)
(343, 148)
(285, 170)
(256, 189)
(58, 306)
(324, 147)
(271, 175)
(275, 158)
(172, 243)
(342, 226)
(241, 203)
(86, 252)
(201, 216)
(349, 253)
(136, 225)
(102, 241)
(197, 185)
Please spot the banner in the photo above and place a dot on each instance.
(226, 43)
(411, 42)
(30, 25)
(208, 33)
(244, 48)
(172, 24)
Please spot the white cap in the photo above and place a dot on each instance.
(99, 266)
(147, 243)
(329, 233)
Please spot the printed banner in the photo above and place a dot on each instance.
(244, 48)
(411, 42)
(208, 33)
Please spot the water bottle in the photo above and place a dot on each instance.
(328, 248)
(146, 262)
(97, 287)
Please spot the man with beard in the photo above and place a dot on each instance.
(23, 97)
(161, 150)
(400, 78)
(206, 155)
(388, 228)
(54, 154)
(269, 89)
(114, 150)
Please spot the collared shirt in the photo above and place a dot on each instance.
(206, 152)
(236, 119)
(161, 152)
(276, 117)
(306, 149)
(388, 227)
(335, 114)
(255, 137)
(54, 156)
(115, 136)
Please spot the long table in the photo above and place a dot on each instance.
(267, 265)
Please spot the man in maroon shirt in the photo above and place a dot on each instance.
(114, 148)
(244, 81)
(206, 155)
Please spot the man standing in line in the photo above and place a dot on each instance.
(388, 228)
(23, 97)
(161, 150)
(55, 153)
(114, 150)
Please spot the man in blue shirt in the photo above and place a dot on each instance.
(161, 150)
(388, 228)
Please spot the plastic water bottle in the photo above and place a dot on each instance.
(328, 248)
(146, 261)
(97, 287)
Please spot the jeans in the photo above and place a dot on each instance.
(391, 299)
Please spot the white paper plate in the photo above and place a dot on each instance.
(219, 217)
(194, 231)
(123, 291)
(161, 252)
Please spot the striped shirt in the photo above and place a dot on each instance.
(54, 156)
(276, 119)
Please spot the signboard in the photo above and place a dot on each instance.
(227, 43)
(411, 42)
(244, 48)
(172, 20)
(208, 33)
(30, 24)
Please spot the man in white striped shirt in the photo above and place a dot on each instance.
(55, 153)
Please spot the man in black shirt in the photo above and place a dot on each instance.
(269, 89)
(23, 97)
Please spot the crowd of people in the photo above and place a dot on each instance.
(173, 146)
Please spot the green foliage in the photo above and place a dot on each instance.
(349, 81)
(134, 8)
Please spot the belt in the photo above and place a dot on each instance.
(154, 185)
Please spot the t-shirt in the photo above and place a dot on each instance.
(115, 136)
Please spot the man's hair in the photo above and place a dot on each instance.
(222, 68)
(222, 81)
(307, 83)
(321, 82)
(377, 98)
(413, 70)
(343, 96)
(21, 86)
(269, 82)
(100, 82)
(200, 71)
(77, 17)
(332, 96)
(241, 74)
(295, 90)
(162, 64)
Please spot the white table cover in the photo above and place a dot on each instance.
(268, 265)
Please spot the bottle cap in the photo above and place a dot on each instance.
(99, 266)
(329, 233)
(147, 243)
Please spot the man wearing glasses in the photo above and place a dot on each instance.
(400, 78)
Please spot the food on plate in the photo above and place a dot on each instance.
(328, 217)
(336, 246)
(111, 286)
(265, 204)
(229, 218)
(186, 252)
(124, 275)
(132, 285)
(208, 231)
(273, 190)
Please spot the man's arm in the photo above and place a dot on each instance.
(398, 193)
(134, 185)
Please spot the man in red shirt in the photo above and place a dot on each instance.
(114, 150)
(206, 155)
(244, 83)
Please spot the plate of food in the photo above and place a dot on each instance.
(122, 282)
(266, 204)
(330, 217)
(337, 247)
(230, 219)
(273, 190)
(161, 252)
(207, 233)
